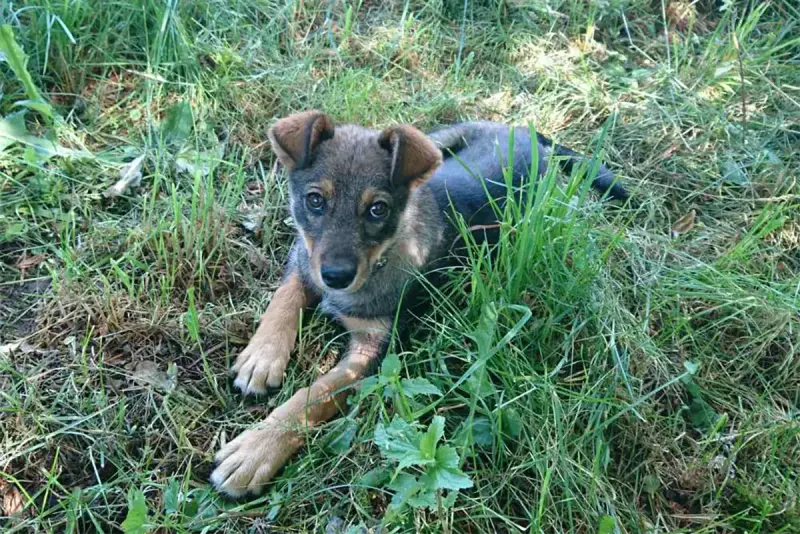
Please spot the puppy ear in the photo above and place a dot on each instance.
(414, 156)
(295, 138)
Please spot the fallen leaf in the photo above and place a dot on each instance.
(253, 221)
(130, 175)
(23, 348)
(13, 503)
(255, 188)
(8, 348)
(684, 224)
(668, 153)
(258, 260)
(203, 162)
(734, 172)
(147, 372)
(26, 262)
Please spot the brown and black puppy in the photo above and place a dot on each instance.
(372, 209)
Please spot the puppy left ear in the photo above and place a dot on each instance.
(414, 156)
(295, 138)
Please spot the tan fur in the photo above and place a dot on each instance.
(252, 459)
(368, 196)
(313, 258)
(326, 185)
(308, 242)
(362, 273)
(262, 363)
(415, 250)
(289, 135)
(370, 327)
(376, 253)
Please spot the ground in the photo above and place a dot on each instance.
(614, 369)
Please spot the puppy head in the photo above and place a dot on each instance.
(349, 187)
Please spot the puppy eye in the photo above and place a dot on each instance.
(378, 210)
(315, 202)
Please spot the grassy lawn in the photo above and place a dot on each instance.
(614, 369)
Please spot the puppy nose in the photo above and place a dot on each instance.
(338, 276)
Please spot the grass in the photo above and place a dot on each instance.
(629, 380)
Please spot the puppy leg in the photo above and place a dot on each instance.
(248, 462)
(262, 363)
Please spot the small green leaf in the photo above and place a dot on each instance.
(203, 162)
(14, 131)
(450, 500)
(419, 386)
(400, 442)
(276, 500)
(733, 172)
(482, 432)
(484, 333)
(14, 230)
(172, 497)
(190, 508)
(369, 385)
(426, 499)
(36, 104)
(341, 438)
(201, 505)
(512, 422)
(391, 366)
(691, 367)
(446, 474)
(701, 414)
(178, 124)
(374, 478)
(651, 484)
(136, 520)
(607, 525)
(405, 486)
(479, 385)
(427, 445)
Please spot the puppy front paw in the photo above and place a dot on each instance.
(260, 366)
(248, 463)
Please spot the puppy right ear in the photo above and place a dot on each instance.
(295, 138)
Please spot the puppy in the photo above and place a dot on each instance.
(372, 209)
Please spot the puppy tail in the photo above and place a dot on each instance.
(451, 139)
(604, 182)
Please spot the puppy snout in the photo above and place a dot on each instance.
(338, 275)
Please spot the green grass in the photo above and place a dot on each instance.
(628, 374)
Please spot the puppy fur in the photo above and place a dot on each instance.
(372, 209)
